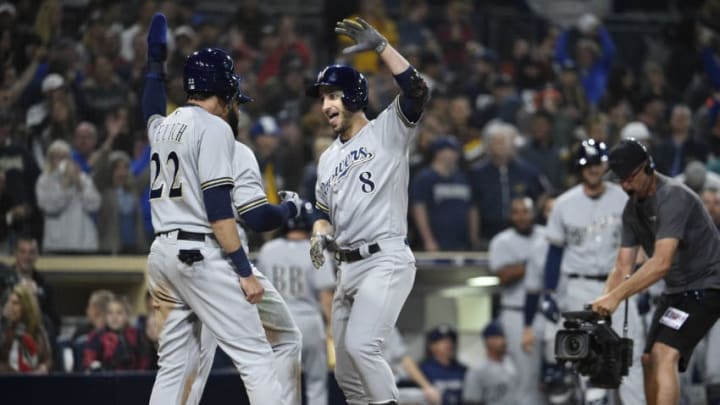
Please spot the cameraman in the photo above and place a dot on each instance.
(670, 223)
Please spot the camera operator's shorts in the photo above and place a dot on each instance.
(681, 320)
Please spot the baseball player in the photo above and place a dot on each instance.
(495, 379)
(361, 195)
(197, 267)
(255, 212)
(308, 292)
(584, 235)
(508, 254)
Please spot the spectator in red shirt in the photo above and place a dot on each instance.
(118, 346)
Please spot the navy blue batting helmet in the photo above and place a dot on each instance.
(589, 153)
(212, 71)
(350, 81)
(302, 222)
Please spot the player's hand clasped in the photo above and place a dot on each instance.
(318, 243)
(366, 37)
(293, 198)
(252, 288)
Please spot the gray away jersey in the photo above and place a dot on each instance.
(588, 229)
(287, 264)
(363, 183)
(492, 383)
(191, 150)
(507, 248)
(249, 192)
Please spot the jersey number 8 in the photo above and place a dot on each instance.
(157, 186)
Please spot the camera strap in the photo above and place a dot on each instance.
(625, 321)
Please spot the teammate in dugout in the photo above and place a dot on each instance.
(669, 222)
(190, 271)
(584, 234)
(361, 193)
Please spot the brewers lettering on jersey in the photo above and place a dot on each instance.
(361, 193)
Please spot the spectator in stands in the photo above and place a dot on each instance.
(20, 172)
(496, 378)
(96, 314)
(24, 272)
(84, 143)
(459, 120)
(503, 104)
(441, 201)
(119, 221)
(541, 152)
(441, 366)
(622, 87)
(285, 91)
(38, 117)
(573, 103)
(680, 148)
(655, 85)
(501, 177)
(119, 345)
(374, 12)
(593, 61)
(413, 27)
(67, 198)
(103, 91)
(24, 346)
(265, 134)
(289, 42)
(455, 33)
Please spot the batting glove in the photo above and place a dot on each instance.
(366, 37)
(292, 198)
(549, 308)
(157, 39)
(318, 244)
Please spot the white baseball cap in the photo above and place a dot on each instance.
(635, 129)
(51, 82)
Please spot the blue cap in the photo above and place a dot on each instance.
(444, 142)
(441, 332)
(266, 125)
(493, 329)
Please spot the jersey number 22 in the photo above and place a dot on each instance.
(158, 185)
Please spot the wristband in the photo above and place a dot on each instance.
(291, 208)
(241, 263)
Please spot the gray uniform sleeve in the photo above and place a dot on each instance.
(321, 190)
(248, 192)
(554, 231)
(395, 130)
(215, 155)
(536, 265)
(500, 253)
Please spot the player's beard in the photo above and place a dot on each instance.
(345, 117)
(232, 120)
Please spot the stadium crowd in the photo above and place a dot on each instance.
(500, 124)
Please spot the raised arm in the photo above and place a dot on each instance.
(414, 89)
(154, 100)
